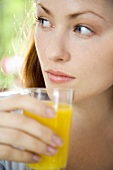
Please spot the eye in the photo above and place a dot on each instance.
(43, 22)
(83, 30)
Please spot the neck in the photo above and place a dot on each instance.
(100, 103)
(92, 131)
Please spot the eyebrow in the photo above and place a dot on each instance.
(70, 16)
(46, 10)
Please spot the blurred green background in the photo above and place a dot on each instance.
(13, 16)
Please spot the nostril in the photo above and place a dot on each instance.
(58, 54)
(60, 59)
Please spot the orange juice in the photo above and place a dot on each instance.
(61, 125)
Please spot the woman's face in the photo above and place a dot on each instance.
(74, 42)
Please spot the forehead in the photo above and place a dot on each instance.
(68, 6)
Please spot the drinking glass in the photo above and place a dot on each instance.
(61, 100)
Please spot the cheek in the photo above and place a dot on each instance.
(42, 40)
(93, 68)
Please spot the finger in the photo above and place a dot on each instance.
(12, 154)
(24, 141)
(31, 127)
(28, 103)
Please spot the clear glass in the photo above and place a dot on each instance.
(61, 100)
(9, 93)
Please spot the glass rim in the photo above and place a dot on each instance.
(9, 93)
(34, 89)
(46, 88)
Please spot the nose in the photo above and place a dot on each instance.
(56, 50)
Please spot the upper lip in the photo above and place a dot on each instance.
(58, 73)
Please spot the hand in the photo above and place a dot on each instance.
(24, 132)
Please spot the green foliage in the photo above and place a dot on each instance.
(12, 18)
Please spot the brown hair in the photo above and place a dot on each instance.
(31, 72)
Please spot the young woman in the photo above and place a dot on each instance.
(74, 47)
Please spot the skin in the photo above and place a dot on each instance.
(84, 52)
(90, 60)
(20, 131)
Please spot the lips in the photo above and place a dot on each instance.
(58, 76)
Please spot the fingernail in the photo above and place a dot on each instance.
(36, 158)
(57, 140)
(51, 151)
(50, 112)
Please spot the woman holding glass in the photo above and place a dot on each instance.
(73, 44)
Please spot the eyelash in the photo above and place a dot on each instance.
(40, 22)
(88, 31)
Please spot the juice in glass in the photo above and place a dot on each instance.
(61, 125)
